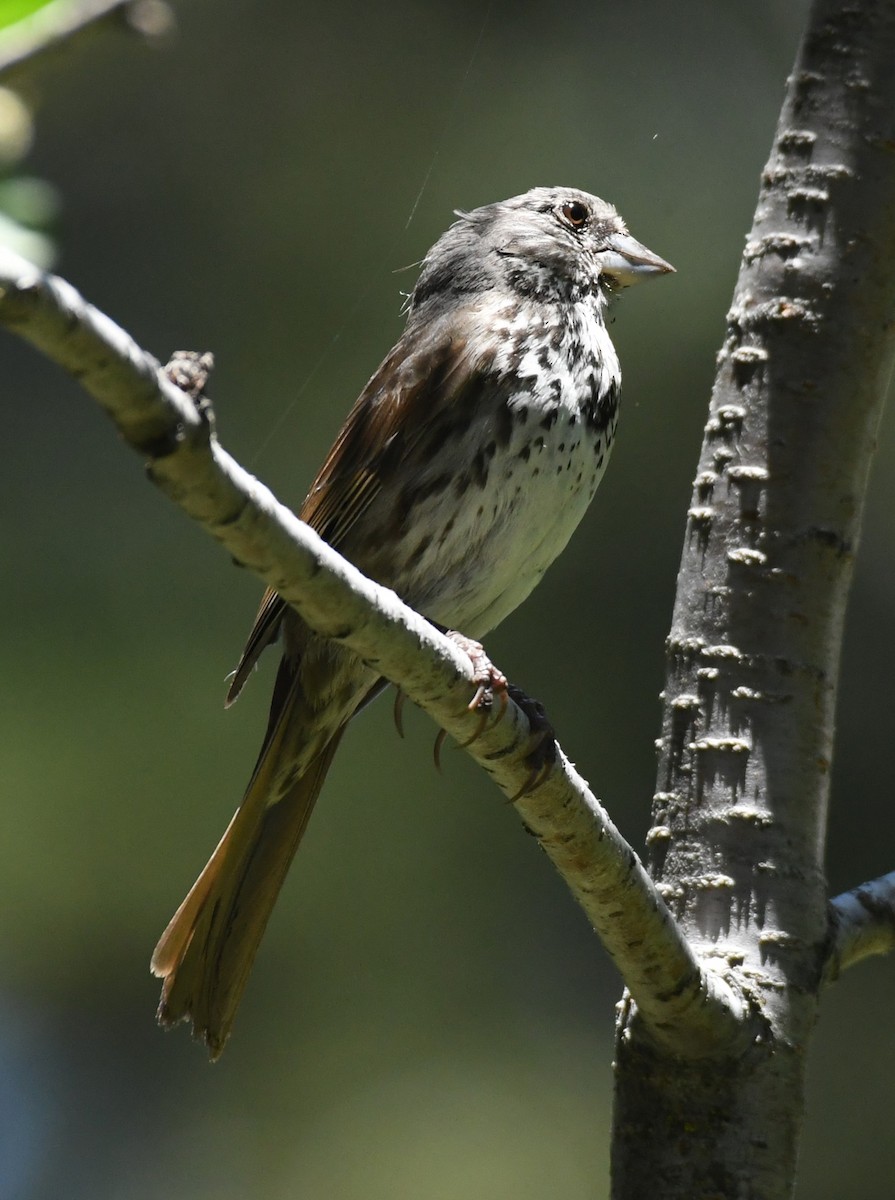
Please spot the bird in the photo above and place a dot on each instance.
(457, 478)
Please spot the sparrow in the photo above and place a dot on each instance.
(457, 478)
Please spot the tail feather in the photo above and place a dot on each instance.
(263, 875)
(206, 953)
(174, 942)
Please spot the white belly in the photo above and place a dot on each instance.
(536, 496)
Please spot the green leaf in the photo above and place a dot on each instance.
(14, 10)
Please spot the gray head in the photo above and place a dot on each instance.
(551, 244)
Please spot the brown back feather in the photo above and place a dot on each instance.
(390, 417)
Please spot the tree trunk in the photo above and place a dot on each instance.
(752, 659)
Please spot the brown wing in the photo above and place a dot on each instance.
(395, 409)
(392, 413)
(265, 630)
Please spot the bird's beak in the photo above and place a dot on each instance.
(627, 261)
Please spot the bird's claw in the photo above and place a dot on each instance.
(436, 750)
(542, 754)
(398, 712)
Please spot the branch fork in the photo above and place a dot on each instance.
(680, 1000)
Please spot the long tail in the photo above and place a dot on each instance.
(206, 953)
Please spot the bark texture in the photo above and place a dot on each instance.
(752, 658)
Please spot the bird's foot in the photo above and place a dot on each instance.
(489, 680)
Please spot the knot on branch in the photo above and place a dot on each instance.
(189, 371)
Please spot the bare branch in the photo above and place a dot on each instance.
(694, 1008)
(862, 923)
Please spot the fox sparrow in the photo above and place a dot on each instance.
(457, 478)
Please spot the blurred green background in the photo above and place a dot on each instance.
(430, 1016)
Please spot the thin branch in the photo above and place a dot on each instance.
(679, 1000)
(862, 923)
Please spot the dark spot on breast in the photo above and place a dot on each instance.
(446, 430)
(489, 449)
(506, 422)
(479, 468)
(418, 553)
(525, 453)
(550, 420)
(600, 461)
(414, 494)
(562, 447)
(522, 413)
(601, 407)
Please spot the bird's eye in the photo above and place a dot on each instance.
(575, 213)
